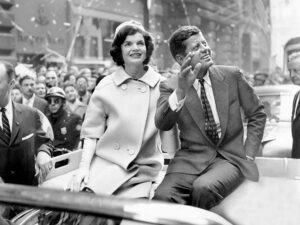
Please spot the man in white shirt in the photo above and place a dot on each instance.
(205, 102)
(27, 87)
(25, 136)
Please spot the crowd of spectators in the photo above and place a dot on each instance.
(62, 95)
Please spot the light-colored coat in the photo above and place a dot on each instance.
(121, 116)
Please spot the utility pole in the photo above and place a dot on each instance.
(146, 12)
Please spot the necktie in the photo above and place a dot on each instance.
(210, 124)
(6, 128)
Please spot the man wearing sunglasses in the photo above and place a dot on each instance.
(66, 125)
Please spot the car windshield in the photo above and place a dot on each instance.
(277, 106)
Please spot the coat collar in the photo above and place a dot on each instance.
(150, 77)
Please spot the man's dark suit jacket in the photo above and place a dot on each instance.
(232, 93)
(40, 104)
(28, 137)
(296, 129)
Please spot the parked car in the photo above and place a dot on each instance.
(278, 101)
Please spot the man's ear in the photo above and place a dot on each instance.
(179, 59)
(12, 83)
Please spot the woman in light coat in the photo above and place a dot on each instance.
(121, 154)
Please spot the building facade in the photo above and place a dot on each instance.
(80, 32)
(238, 31)
(7, 36)
(74, 32)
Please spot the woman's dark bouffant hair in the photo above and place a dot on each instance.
(116, 51)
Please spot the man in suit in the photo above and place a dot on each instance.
(25, 136)
(294, 69)
(27, 84)
(205, 101)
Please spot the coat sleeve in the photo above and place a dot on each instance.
(255, 115)
(94, 123)
(44, 134)
(165, 118)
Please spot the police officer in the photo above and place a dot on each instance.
(66, 125)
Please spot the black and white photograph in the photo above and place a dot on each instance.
(167, 112)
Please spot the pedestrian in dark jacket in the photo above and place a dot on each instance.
(66, 125)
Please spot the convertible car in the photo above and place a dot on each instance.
(275, 200)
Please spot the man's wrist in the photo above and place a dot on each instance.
(180, 94)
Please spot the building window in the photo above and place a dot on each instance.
(108, 29)
(79, 47)
(94, 47)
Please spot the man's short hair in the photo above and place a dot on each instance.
(25, 77)
(68, 84)
(81, 76)
(177, 47)
(294, 55)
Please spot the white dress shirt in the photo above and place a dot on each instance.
(176, 105)
(28, 102)
(9, 114)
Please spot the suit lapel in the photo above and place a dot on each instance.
(193, 105)
(221, 92)
(16, 122)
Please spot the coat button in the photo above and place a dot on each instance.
(130, 151)
(116, 146)
(143, 89)
(124, 86)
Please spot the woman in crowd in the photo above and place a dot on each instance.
(120, 151)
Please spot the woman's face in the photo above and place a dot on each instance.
(134, 50)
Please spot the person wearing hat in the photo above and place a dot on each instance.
(120, 152)
(66, 125)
